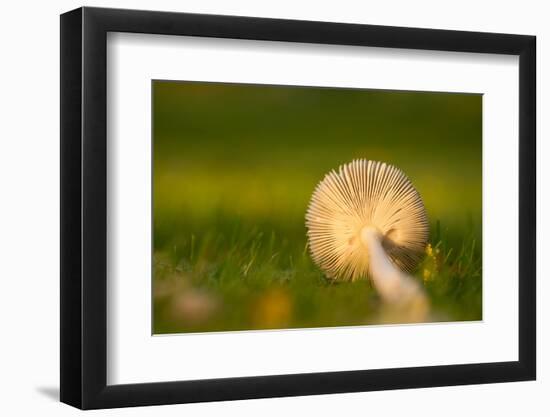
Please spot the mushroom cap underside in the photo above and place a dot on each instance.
(365, 197)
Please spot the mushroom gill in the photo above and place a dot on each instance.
(367, 220)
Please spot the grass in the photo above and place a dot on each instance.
(247, 279)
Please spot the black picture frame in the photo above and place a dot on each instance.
(84, 207)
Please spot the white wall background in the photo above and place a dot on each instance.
(29, 209)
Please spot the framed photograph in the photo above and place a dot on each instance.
(257, 208)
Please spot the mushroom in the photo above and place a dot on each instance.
(366, 220)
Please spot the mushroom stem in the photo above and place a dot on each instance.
(393, 285)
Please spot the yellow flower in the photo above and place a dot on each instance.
(429, 250)
(427, 274)
(273, 309)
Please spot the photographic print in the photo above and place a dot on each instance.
(283, 207)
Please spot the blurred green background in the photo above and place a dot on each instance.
(234, 168)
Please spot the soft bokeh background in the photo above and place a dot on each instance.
(234, 168)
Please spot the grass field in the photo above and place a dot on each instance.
(234, 169)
